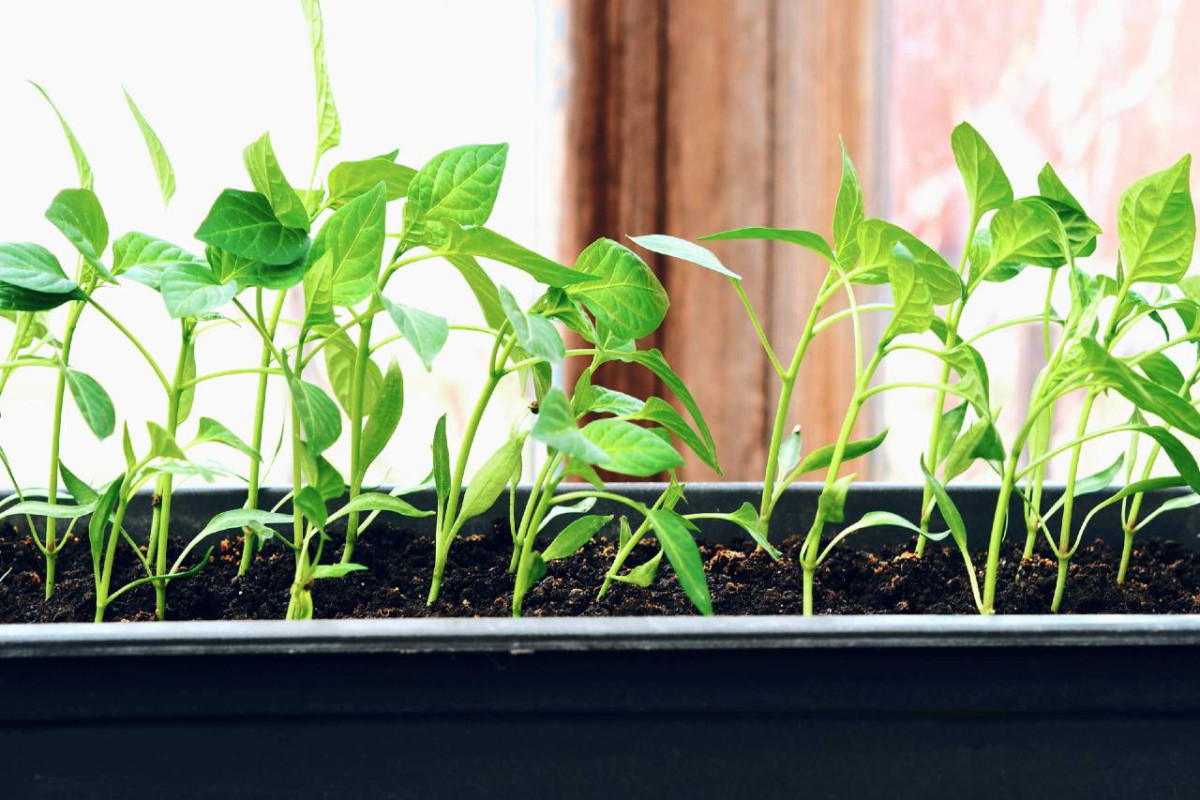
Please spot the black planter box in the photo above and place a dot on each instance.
(759, 707)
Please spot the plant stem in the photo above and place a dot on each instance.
(932, 457)
(249, 542)
(161, 533)
(362, 357)
(102, 588)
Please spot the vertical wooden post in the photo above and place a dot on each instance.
(692, 116)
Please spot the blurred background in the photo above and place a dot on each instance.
(624, 117)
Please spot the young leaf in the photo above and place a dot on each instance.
(441, 460)
(144, 258)
(329, 127)
(187, 395)
(1160, 369)
(948, 431)
(1028, 232)
(607, 401)
(100, 518)
(158, 154)
(339, 570)
(643, 574)
(1145, 395)
(684, 251)
(376, 501)
(878, 240)
(33, 267)
(80, 491)
(747, 519)
(661, 412)
(847, 212)
(675, 535)
(950, 513)
(628, 301)
(455, 242)
(330, 484)
(426, 333)
(631, 449)
(1156, 224)
(536, 334)
(806, 239)
(163, 444)
(93, 403)
(350, 179)
(269, 181)
(484, 289)
(340, 356)
(654, 361)
(911, 300)
(78, 215)
(966, 449)
(81, 162)
(243, 517)
(319, 417)
(575, 536)
(556, 428)
(490, 481)
(385, 416)
(582, 507)
(191, 290)
(822, 457)
(987, 185)
(212, 431)
(831, 505)
(244, 224)
(353, 240)
(308, 501)
(14, 299)
(460, 184)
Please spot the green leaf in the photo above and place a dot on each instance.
(339, 570)
(145, 258)
(269, 181)
(1144, 394)
(244, 224)
(14, 299)
(628, 301)
(329, 127)
(33, 267)
(441, 460)
(485, 291)
(340, 356)
(966, 449)
(212, 431)
(231, 268)
(127, 448)
(93, 403)
(979, 256)
(660, 412)
(39, 508)
(950, 513)
(460, 184)
(684, 251)
(80, 491)
(822, 457)
(329, 484)
(319, 417)
(377, 501)
(847, 213)
(632, 449)
(675, 535)
(78, 215)
(455, 242)
(1028, 232)
(876, 519)
(575, 536)
(187, 394)
(883, 245)
(536, 334)
(311, 505)
(158, 154)
(582, 507)
(555, 427)
(654, 361)
(192, 290)
(81, 162)
(806, 239)
(237, 518)
(912, 302)
(643, 574)
(789, 451)
(426, 333)
(747, 519)
(99, 521)
(948, 431)
(490, 481)
(163, 444)
(1156, 224)
(831, 505)
(385, 416)
(351, 179)
(1162, 370)
(987, 185)
(353, 241)
(600, 400)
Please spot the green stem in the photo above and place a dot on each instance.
(6, 370)
(161, 534)
(1126, 554)
(102, 588)
(521, 585)
(535, 494)
(1060, 585)
(932, 457)
(362, 358)
(256, 434)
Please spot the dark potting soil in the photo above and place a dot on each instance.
(1164, 578)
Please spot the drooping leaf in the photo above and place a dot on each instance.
(632, 449)
(82, 167)
(377, 501)
(456, 242)
(385, 416)
(806, 239)
(684, 251)
(536, 334)
(311, 505)
(33, 267)
(426, 333)
(78, 215)
(319, 417)
(643, 574)
(675, 535)
(244, 224)
(1144, 394)
(93, 403)
(192, 290)
(482, 286)
(661, 412)
(1162, 370)
(654, 361)
(1156, 224)
(340, 357)
(163, 171)
(555, 427)
(628, 301)
(237, 518)
(145, 258)
(747, 519)
(330, 483)
(822, 457)
(575, 536)
(489, 482)
(80, 491)
(329, 127)
(16, 299)
(831, 504)
(269, 181)
(212, 431)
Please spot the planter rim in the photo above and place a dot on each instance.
(527, 636)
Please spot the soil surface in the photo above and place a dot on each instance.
(1164, 578)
